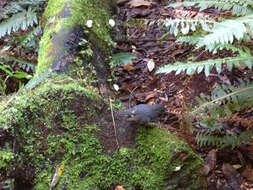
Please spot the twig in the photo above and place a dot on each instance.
(131, 95)
(198, 56)
(114, 126)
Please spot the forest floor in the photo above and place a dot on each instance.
(227, 168)
(138, 83)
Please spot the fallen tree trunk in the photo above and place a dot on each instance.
(58, 133)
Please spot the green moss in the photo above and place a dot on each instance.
(59, 91)
(43, 178)
(56, 123)
(54, 8)
(146, 167)
(6, 157)
(46, 46)
(51, 18)
(40, 115)
(99, 33)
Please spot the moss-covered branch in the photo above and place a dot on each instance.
(66, 27)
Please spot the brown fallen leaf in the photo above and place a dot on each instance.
(121, 2)
(139, 3)
(151, 95)
(210, 162)
(145, 96)
(248, 173)
(119, 188)
(232, 176)
(250, 148)
(128, 67)
(128, 87)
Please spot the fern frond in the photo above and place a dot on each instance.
(18, 6)
(237, 140)
(192, 67)
(229, 140)
(224, 101)
(242, 7)
(227, 31)
(11, 8)
(224, 32)
(194, 40)
(26, 65)
(207, 140)
(31, 2)
(185, 25)
(30, 40)
(232, 98)
(18, 21)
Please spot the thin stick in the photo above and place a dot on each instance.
(114, 126)
(131, 95)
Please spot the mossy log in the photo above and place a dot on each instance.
(60, 121)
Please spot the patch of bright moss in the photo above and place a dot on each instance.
(6, 158)
(146, 167)
(42, 112)
(44, 58)
(56, 124)
(50, 17)
(54, 8)
(99, 33)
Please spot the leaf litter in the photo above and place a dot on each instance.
(138, 82)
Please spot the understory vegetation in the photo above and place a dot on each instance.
(59, 123)
(216, 112)
(233, 32)
(20, 33)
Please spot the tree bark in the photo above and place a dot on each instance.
(60, 125)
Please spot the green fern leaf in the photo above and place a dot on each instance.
(26, 65)
(29, 41)
(207, 139)
(14, 7)
(18, 21)
(241, 7)
(227, 31)
(193, 40)
(185, 25)
(11, 8)
(224, 33)
(224, 100)
(224, 93)
(31, 2)
(206, 66)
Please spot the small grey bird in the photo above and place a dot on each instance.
(143, 113)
